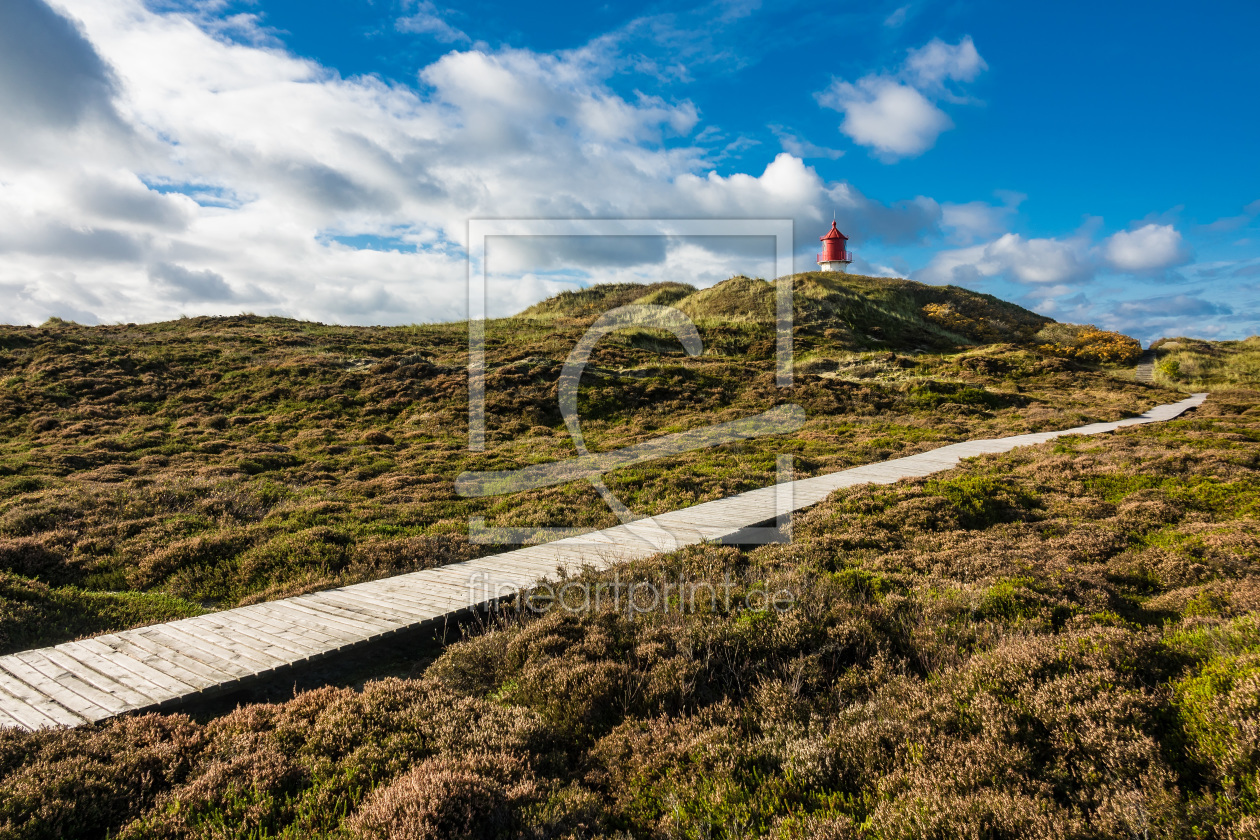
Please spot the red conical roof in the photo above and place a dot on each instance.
(834, 233)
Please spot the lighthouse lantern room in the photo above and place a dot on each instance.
(834, 256)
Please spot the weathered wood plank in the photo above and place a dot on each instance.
(34, 707)
(52, 691)
(161, 656)
(234, 649)
(108, 681)
(291, 625)
(294, 651)
(400, 610)
(165, 685)
(195, 649)
(395, 616)
(340, 618)
(417, 604)
(279, 612)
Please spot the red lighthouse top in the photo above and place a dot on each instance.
(833, 246)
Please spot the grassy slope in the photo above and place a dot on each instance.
(1196, 365)
(153, 471)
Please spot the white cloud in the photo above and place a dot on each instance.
(183, 171)
(893, 118)
(1047, 261)
(1149, 248)
(426, 19)
(937, 62)
(896, 114)
(1014, 258)
(975, 220)
(1077, 279)
(230, 168)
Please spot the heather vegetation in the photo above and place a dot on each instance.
(154, 471)
(1060, 641)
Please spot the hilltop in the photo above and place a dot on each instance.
(158, 470)
(855, 312)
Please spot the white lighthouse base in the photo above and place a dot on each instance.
(841, 266)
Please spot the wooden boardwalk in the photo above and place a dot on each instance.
(164, 664)
(1146, 367)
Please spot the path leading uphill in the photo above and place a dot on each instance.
(164, 664)
(1146, 367)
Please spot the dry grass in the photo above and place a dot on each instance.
(1196, 365)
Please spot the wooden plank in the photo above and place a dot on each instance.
(421, 606)
(506, 573)
(127, 697)
(335, 618)
(193, 648)
(53, 690)
(339, 617)
(161, 656)
(326, 601)
(33, 706)
(295, 650)
(291, 623)
(169, 686)
(247, 652)
(280, 612)
(453, 597)
(404, 614)
(113, 667)
(395, 617)
(422, 598)
(523, 564)
(26, 717)
(8, 721)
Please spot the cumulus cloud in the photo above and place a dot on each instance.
(1118, 282)
(1149, 248)
(1015, 258)
(896, 114)
(237, 173)
(49, 72)
(889, 116)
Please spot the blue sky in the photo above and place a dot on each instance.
(1094, 162)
